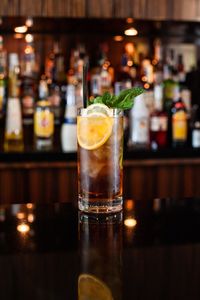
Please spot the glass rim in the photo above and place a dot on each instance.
(113, 112)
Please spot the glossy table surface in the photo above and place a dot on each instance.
(151, 250)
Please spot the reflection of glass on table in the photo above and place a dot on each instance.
(100, 247)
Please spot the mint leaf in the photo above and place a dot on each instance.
(124, 100)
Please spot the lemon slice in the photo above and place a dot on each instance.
(92, 288)
(98, 108)
(93, 130)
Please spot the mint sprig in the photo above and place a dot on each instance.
(125, 100)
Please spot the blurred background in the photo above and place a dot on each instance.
(43, 47)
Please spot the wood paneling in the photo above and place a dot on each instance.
(30, 8)
(185, 10)
(57, 181)
(103, 8)
(161, 178)
(130, 8)
(67, 8)
(9, 7)
(38, 182)
(157, 9)
(139, 9)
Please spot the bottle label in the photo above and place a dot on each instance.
(196, 138)
(70, 120)
(140, 130)
(163, 123)
(14, 120)
(179, 126)
(27, 104)
(158, 123)
(69, 137)
(155, 123)
(44, 123)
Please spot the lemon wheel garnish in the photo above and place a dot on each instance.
(93, 130)
(98, 108)
(91, 287)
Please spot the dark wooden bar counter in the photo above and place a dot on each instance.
(52, 251)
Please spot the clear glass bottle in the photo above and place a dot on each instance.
(139, 124)
(195, 126)
(13, 139)
(68, 128)
(13, 76)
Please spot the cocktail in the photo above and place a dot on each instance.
(100, 153)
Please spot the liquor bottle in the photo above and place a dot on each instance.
(43, 91)
(55, 101)
(102, 67)
(28, 77)
(179, 122)
(13, 76)
(181, 70)
(186, 98)
(158, 121)
(59, 75)
(158, 62)
(28, 61)
(2, 95)
(68, 128)
(95, 85)
(147, 75)
(171, 85)
(105, 79)
(49, 66)
(43, 125)
(129, 64)
(139, 124)
(195, 126)
(13, 140)
(27, 99)
(3, 74)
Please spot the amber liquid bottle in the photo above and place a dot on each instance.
(179, 123)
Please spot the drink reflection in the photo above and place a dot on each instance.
(130, 221)
(100, 239)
